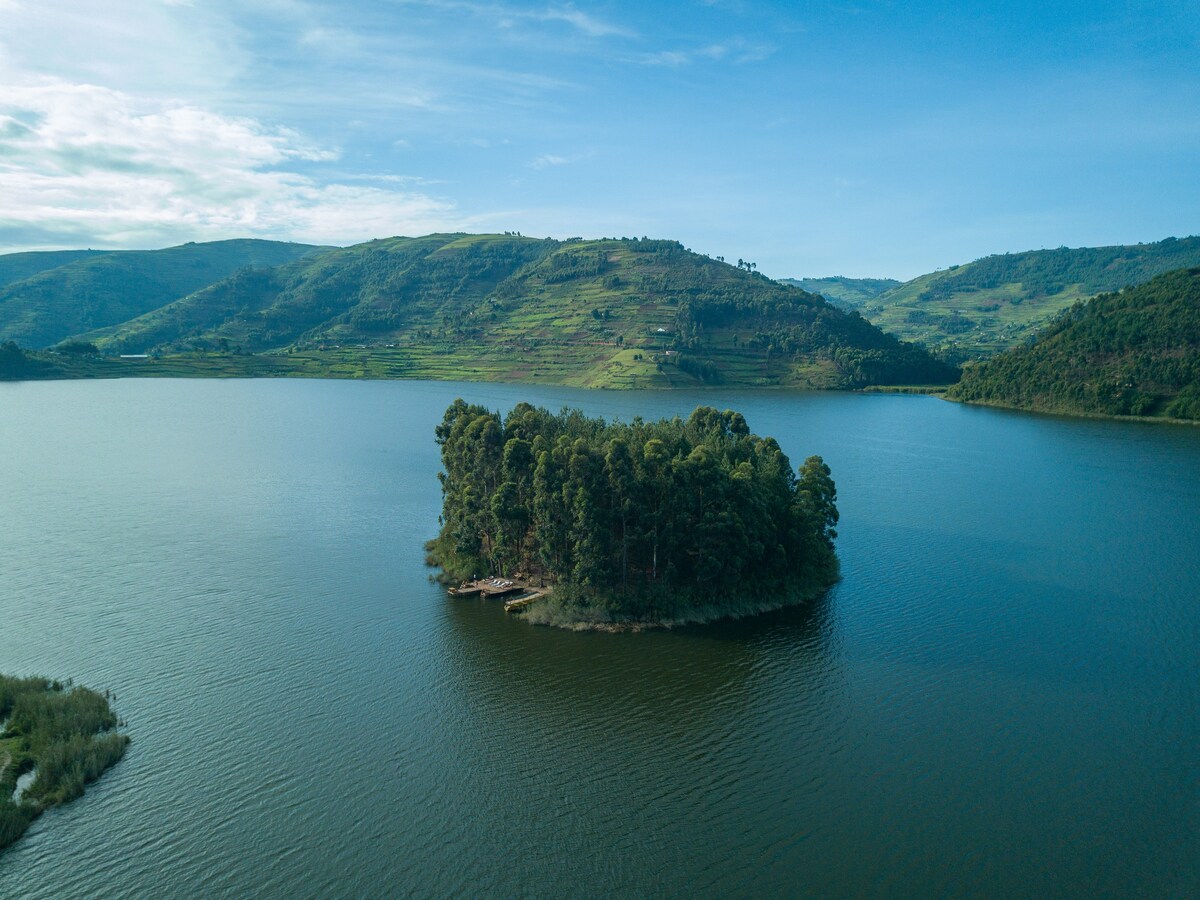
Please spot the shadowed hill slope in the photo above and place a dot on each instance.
(19, 266)
(98, 290)
(1136, 352)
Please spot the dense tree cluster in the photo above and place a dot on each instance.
(1136, 352)
(569, 265)
(790, 324)
(637, 521)
(15, 363)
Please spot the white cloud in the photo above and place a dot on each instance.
(589, 25)
(506, 16)
(85, 164)
(145, 46)
(546, 160)
(736, 50)
(672, 58)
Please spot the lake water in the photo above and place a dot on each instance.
(1000, 698)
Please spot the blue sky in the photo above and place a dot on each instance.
(858, 138)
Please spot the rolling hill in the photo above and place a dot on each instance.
(845, 293)
(604, 313)
(19, 266)
(975, 310)
(1134, 352)
(88, 289)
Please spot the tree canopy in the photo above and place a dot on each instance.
(1134, 352)
(638, 521)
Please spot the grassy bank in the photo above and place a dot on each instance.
(66, 735)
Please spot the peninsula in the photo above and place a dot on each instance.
(1134, 352)
(62, 737)
(629, 525)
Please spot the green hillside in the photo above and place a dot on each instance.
(98, 290)
(1135, 352)
(845, 293)
(975, 310)
(604, 313)
(19, 266)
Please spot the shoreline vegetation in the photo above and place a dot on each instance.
(645, 524)
(1130, 354)
(64, 735)
(1068, 413)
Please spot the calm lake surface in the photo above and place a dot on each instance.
(1000, 698)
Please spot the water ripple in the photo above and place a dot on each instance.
(313, 718)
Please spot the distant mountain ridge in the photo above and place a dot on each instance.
(19, 266)
(600, 313)
(845, 293)
(1134, 352)
(980, 308)
(45, 302)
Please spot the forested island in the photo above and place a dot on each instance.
(64, 736)
(635, 523)
(1134, 352)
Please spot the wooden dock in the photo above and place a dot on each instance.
(490, 587)
(519, 591)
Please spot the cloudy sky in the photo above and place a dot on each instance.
(861, 137)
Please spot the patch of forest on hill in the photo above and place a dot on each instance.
(1134, 352)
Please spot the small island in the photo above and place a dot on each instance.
(619, 525)
(59, 738)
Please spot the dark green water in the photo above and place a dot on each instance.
(999, 699)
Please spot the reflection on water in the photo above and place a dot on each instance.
(706, 673)
(999, 698)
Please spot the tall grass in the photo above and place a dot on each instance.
(63, 733)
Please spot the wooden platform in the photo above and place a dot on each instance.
(490, 587)
(519, 591)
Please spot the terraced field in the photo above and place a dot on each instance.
(611, 313)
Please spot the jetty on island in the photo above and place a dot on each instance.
(517, 591)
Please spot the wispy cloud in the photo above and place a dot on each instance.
(546, 160)
(588, 24)
(507, 16)
(85, 164)
(736, 50)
